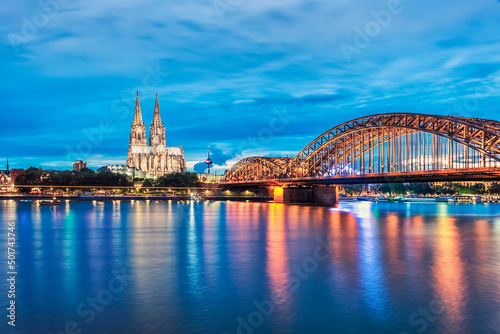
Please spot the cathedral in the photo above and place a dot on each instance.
(156, 158)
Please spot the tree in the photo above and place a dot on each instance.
(421, 188)
(479, 188)
(25, 190)
(64, 178)
(494, 189)
(398, 189)
(32, 176)
(353, 189)
(188, 179)
(147, 183)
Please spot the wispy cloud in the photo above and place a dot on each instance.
(226, 77)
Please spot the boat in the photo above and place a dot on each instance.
(383, 199)
(442, 199)
(368, 198)
(465, 198)
(197, 198)
(347, 199)
(420, 199)
(50, 202)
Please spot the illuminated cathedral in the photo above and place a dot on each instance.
(156, 158)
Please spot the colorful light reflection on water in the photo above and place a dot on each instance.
(229, 267)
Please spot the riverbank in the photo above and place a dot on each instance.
(462, 198)
(134, 198)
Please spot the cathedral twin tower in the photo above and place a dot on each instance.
(156, 158)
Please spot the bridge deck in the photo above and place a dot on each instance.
(447, 175)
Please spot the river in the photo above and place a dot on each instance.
(239, 267)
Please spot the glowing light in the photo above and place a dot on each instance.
(278, 191)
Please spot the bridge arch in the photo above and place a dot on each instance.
(259, 168)
(400, 142)
(385, 143)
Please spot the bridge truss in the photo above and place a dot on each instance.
(260, 168)
(385, 144)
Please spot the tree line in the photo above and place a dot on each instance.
(88, 177)
(85, 177)
(189, 179)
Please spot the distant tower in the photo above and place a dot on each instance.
(7, 171)
(209, 161)
(157, 130)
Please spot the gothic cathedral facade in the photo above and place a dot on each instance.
(156, 158)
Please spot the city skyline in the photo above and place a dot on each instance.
(250, 166)
(285, 72)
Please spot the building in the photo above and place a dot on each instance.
(130, 172)
(14, 173)
(6, 183)
(156, 158)
(211, 178)
(79, 165)
(6, 171)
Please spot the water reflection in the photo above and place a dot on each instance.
(193, 251)
(276, 249)
(371, 268)
(199, 267)
(448, 271)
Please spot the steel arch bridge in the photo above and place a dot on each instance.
(260, 168)
(392, 144)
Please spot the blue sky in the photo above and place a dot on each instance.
(248, 77)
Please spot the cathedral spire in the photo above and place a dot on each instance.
(156, 117)
(7, 163)
(137, 130)
(137, 115)
(157, 130)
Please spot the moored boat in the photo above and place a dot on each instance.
(442, 199)
(347, 198)
(420, 199)
(465, 198)
(50, 202)
(368, 198)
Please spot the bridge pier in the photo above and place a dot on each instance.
(314, 195)
(326, 195)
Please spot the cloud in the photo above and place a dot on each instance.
(226, 77)
(218, 156)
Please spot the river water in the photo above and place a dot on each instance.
(237, 267)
